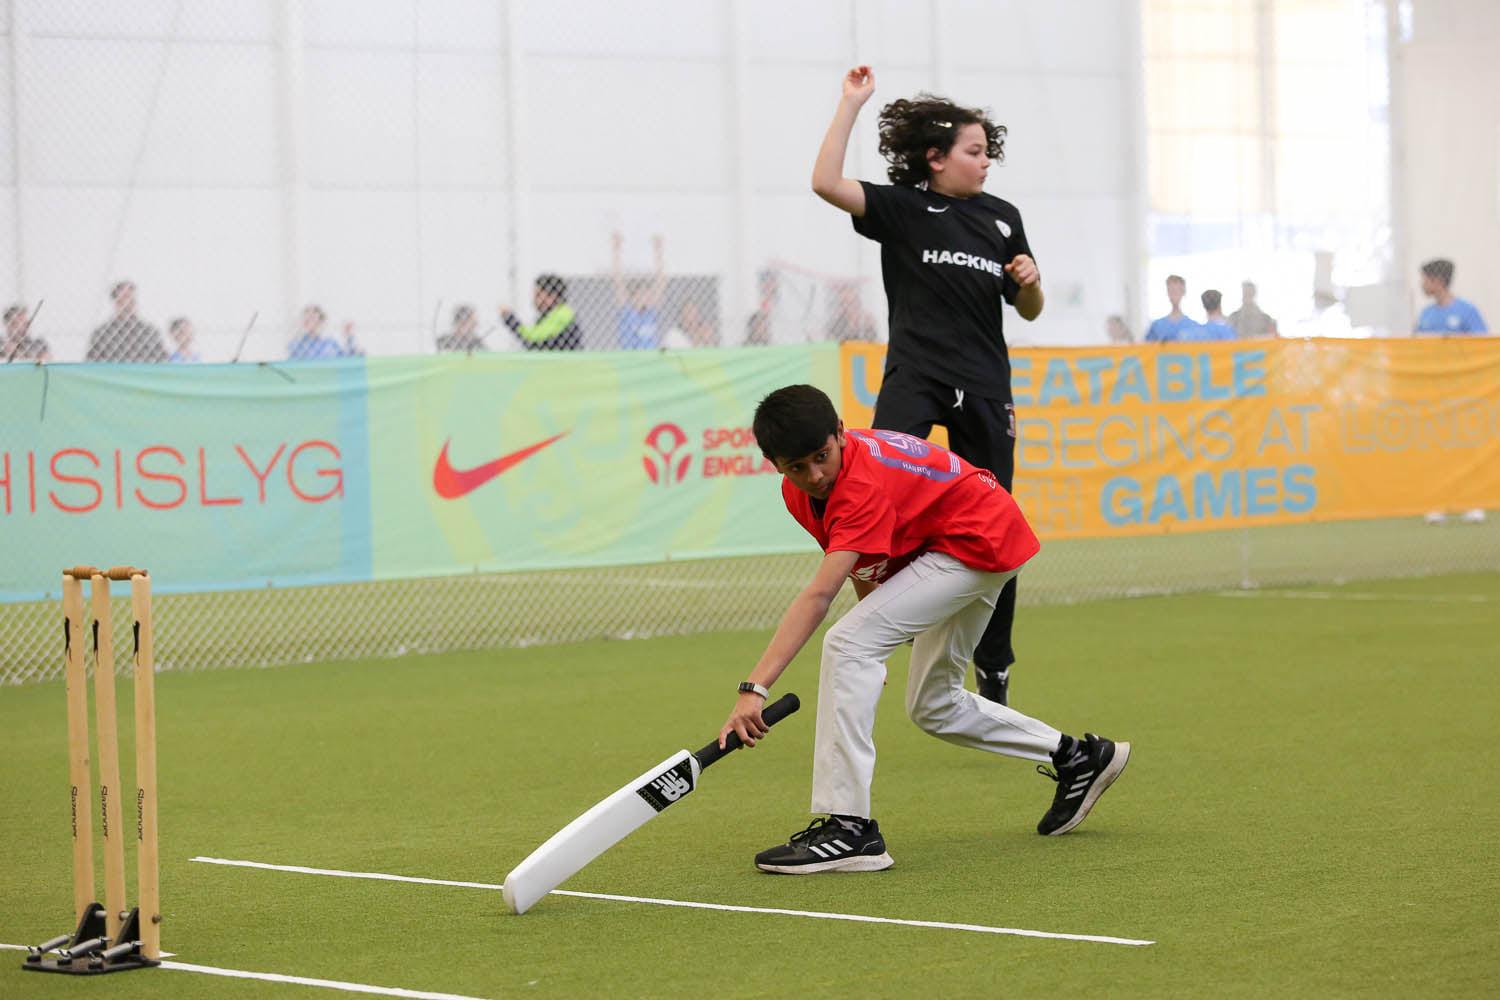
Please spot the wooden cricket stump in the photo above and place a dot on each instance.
(109, 937)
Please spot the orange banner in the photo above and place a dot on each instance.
(1154, 439)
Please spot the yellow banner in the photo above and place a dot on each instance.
(1155, 439)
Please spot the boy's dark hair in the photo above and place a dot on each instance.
(908, 129)
(1212, 299)
(1440, 269)
(794, 421)
(176, 324)
(554, 285)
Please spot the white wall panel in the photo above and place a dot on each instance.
(683, 29)
(69, 236)
(893, 33)
(362, 24)
(209, 255)
(660, 125)
(1017, 36)
(793, 30)
(241, 20)
(361, 262)
(461, 24)
(85, 108)
(7, 120)
(215, 120)
(461, 120)
(464, 252)
(360, 119)
(9, 249)
(572, 235)
(789, 108)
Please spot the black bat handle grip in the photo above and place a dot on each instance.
(772, 713)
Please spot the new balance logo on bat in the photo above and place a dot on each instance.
(667, 787)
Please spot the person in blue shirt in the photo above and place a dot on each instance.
(639, 299)
(311, 345)
(1215, 326)
(181, 332)
(1174, 325)
(1448, 313)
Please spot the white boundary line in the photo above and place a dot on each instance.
(272, 977)
(814, 914)
(1345, 595)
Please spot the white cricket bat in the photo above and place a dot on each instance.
(611, 821)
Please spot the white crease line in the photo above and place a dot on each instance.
(814, 914)
(272, 977)
(1342, 595)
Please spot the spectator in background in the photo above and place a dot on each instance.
(1448, 313)
(1248, 320)
(18, 344)
(464, 335)
(181, 332)
(851, 320)
(126, 337)
(758, 326)
(1174, 325)
(1116, 332)
(1214, 326)
(312, 345)
(692, 330)
(556, 327)
(639, 299)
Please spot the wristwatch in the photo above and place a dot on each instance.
(750, 687)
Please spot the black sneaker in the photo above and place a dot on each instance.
(1089, 769)
(993, 684)
(827, 845)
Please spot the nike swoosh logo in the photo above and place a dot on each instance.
(452, 483)
(931, 209)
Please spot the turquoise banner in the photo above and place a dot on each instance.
(238, 476)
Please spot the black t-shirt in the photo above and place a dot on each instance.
(941, 259)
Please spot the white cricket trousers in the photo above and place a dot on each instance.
(945, 606)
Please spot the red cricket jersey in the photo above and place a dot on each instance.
(897, 496)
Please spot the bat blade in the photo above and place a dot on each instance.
(599, 829)
(612, 820)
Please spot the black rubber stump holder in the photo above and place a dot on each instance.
(88, 952)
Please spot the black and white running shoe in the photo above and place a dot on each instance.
(1088, 769)
(993, 685)
(829, 844)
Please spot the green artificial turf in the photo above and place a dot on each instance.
(1307, 813)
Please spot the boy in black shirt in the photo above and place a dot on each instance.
(951, 256)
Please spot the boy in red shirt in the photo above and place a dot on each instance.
(928, 541)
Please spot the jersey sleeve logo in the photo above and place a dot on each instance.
(1004, 228)
(911, 451)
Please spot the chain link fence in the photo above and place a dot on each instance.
(405, 617)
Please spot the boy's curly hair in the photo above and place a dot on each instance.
(908, 129)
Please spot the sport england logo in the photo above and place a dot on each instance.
(661, 461)
(669, 786)
(1004, 228)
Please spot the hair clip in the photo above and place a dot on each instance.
(943, 124)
